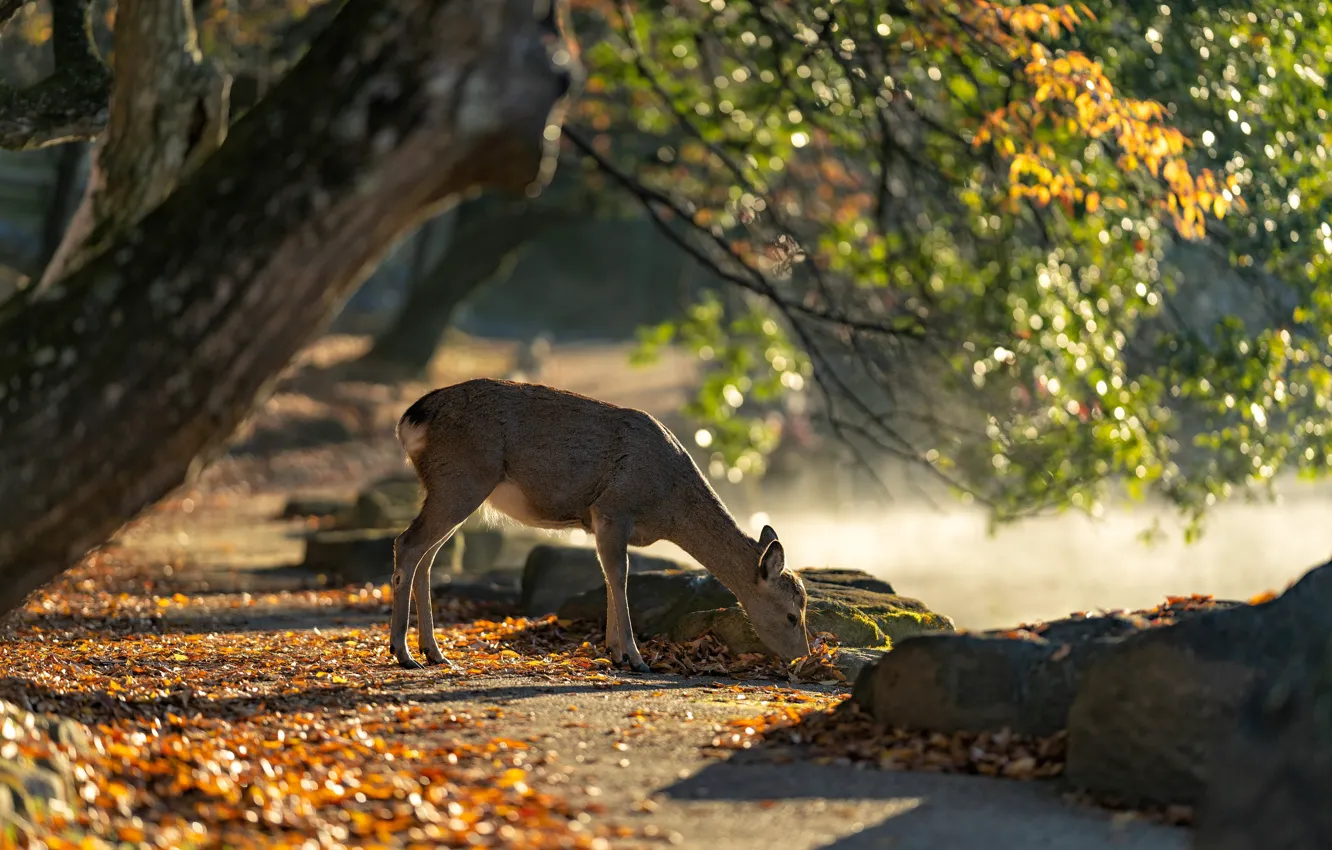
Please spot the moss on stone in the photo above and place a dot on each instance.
(852, 626)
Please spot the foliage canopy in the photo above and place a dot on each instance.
(1038, 249)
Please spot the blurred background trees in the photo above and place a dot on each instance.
(1042, 255)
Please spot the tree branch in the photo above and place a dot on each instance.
(168, 113)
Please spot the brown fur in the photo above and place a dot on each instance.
(554, 459)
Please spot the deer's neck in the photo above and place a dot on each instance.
(711, 536)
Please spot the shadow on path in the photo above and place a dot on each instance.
(912, 810)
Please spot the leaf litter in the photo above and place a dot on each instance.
(209, 734)
(210, 730)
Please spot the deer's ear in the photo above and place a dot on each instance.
(766, 536)
(771, 562)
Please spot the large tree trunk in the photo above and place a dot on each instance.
(488, 240)
(119, 379)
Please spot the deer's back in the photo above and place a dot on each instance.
(563, 450)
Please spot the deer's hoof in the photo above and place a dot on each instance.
(406, 662)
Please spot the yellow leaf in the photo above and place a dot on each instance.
(1093, 202)
(511, 777)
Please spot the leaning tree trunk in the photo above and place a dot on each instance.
(118, 380)
(488, 240)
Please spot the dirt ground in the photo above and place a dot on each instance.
(233, 702)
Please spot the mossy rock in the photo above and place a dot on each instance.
(897, 617)
(731, 626)
(847, 603)
(852, 626)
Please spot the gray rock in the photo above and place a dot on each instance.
(1149, 713)
(657, 600)
(496, 586)
(857, 579)
(989, 681)
(729, 625)
(842, 602)
(364, 555)
(481, 549)
(976, 683)
(391, 502)
(852, 661)
(1271, 779)
(554, 575)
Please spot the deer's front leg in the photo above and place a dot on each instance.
(613, 553)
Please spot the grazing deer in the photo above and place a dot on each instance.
(553, 459)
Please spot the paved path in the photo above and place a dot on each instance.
(747, 801)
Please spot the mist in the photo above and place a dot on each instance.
(1049, 567)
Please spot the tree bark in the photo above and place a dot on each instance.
(488, 240)
(168, 113)
(70, 104)
(120, 379)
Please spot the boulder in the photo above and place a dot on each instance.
(852, 661)
(553, 575)
(850, 625)
(851, 604)
(976, 683)
(1271, 778)
(657, 600)
(500, 587)
(729, 625)
(1024, 680)
(854, 606)
(391, 502)
(365, 555)
(481, 549)
(1146, 720)
(857, 579)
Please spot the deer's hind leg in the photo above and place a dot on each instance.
(449, 501)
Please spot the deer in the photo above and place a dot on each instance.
(556, 460)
